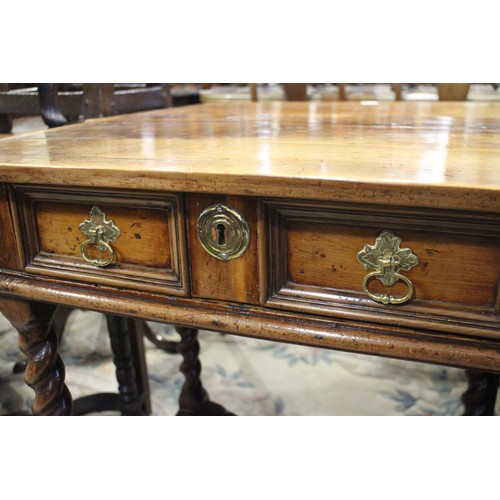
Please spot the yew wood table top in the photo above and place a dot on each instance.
(432, 154)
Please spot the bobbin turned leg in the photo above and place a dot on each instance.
(133, 390)
(480, 396)
(194, 398)
(38, 341)
(133, 396)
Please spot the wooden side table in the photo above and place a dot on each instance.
(372, 229)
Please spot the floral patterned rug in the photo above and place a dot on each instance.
(247, 376)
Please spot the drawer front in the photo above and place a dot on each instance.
(313, 264)
(232, 280)
(149, 253)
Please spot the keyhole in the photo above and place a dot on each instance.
(221, 234)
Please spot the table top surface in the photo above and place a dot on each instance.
(431, 154)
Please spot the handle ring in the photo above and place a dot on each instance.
(97, 262)
(384, 298)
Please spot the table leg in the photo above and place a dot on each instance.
(47, 94)
(38, 341)
(134, 393)
(5, 123)
(133, 397)
(194, 399)
(480, 396)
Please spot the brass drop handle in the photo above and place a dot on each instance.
(387, 258)
(100, 232)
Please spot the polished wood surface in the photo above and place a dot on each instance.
(406, 153)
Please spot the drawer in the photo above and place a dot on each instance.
(313, 265)
(149, 253)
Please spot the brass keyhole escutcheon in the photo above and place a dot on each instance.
(223, 232)
(387, 259)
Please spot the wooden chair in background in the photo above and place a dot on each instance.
(59, 104)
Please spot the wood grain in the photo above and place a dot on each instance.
(434, 154)
(452, 267)
(144, 234)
